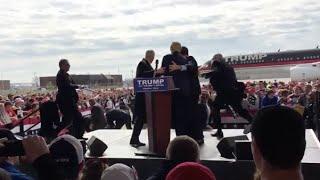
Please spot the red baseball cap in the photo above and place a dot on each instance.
(190, 171)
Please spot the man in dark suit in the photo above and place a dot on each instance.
(192, 68)
(229, 92)
(98, 120)
(144, 70)
(67, 99)
(175, 65)
(116, 118)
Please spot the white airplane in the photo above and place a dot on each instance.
(305, 72)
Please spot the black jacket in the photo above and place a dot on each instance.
(49, 116)
(222, 78)
(192, 68)
(144, 70)
(66, 87)
(98, 119)
(180, 78)
(47, 168)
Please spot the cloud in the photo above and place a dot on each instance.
(99, 36)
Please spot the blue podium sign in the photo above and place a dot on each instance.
(151, 84)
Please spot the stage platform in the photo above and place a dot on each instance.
(120, 151)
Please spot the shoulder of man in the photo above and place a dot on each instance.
(168, 57)
(142, 63)
(60, 73)
(191, 58)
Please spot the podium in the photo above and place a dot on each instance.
(158, 95)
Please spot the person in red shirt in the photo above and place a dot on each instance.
(9, 109)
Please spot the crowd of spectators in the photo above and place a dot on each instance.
(63, 157)
(259, 94)
(117, 105)
(15, 107)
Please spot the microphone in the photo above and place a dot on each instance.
(157, 63)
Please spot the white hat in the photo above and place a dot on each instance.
(19, 100)
(119, 172)
(67, 151)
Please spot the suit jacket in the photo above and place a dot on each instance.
(49, 116)
(223, 78)
(66, 88)
(144, 70)
(98, 119)
(192, 68)
(180, 78)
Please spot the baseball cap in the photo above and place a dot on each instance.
(119, 172)
(19, 100)
(67, 151)
(190, 171)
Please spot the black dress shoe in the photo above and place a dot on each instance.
(136, 143)
(247, 129)
(218, 134)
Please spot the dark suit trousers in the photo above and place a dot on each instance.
(196, 125)
(72, 118)
(182, 114)
(139, 115)
(234, 102)
(119, 122)
(138, 125)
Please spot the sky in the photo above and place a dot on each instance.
(111, 36)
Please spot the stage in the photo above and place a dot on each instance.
(119, 150)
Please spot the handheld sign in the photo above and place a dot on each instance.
(151, 84)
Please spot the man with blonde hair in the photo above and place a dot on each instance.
(175, 66)
(175, 47)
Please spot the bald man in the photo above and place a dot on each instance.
(67, 99)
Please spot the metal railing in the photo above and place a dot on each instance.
(21, 123)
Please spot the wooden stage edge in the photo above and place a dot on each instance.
(119, 151)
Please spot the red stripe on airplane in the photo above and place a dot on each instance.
(275, 63)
